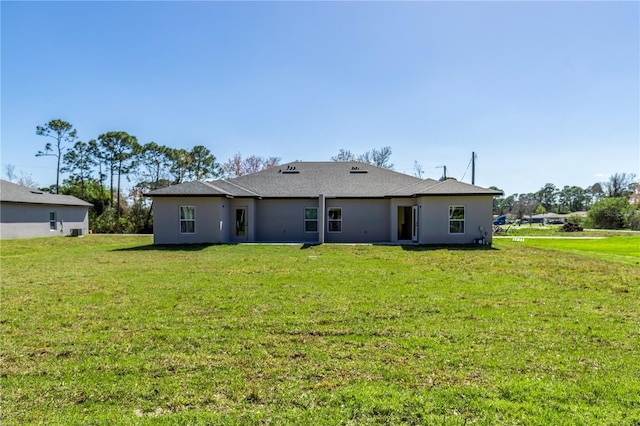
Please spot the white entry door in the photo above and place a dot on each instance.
(414, 223)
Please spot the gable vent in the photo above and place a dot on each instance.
(356, 169)
(289, 170)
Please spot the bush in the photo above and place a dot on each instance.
(633, 219)
(109, 223)
(571, 227)
(610, 213)
(576, 220)
(105, 223)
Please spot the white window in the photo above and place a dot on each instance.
(187, 220)
(53, 223)
(334, 219)
(456, 219)
(310, 219)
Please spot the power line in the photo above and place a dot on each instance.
(465, 172)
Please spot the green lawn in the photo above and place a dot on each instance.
(111, 330)
(617, 249)
(512, 230)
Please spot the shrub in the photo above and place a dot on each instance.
(571, 227)
(633, 219)
(576, 220)
(610, 213)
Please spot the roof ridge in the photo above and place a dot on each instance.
(442, 182)
(240, 187)
(412, 185)
(439, 182)
(211, 185)
(454, 185)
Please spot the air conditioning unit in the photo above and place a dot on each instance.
(76, 232)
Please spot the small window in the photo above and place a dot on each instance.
(456, 219)
(187, 220)
(335, 219)
(53, 223)
(310, 219)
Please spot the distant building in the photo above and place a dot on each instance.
(30, 213)
(555, 218)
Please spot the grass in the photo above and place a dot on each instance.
(554, 231)
(617, 249)
(111, 330)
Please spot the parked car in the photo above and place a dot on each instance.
(500, 220)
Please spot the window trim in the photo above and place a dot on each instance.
(187, 220)
(329, 220)
(463, 220)
(305, 220)
(53, 223)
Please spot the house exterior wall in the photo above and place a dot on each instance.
(22, 220)
(282, 220)
(166, 220)
(434, 219)
(363, 220)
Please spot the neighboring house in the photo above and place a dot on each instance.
(29, 213)
(555, 218)
(323, 202)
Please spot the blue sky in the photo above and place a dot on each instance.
(541, 91)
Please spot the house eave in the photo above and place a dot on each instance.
(189, 196)
(44, 203)
(459, 194)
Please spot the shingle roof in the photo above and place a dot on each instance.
(191, 188)
(447, 187)
(333, 179)
(10, 192)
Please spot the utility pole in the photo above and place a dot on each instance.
(473, 168)
(444, 177)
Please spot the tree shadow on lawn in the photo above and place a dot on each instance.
(419, 247)
(450, 247)
(305, 246)
(167, 247)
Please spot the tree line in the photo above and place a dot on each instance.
(614, 204)
(95, 171)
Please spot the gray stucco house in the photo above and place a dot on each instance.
(323, 202)
(30, 213)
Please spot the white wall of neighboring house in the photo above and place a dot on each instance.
(22, 220)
